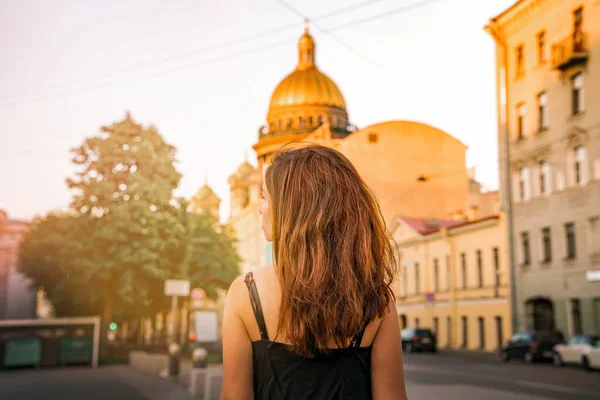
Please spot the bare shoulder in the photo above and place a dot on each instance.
(236, 289)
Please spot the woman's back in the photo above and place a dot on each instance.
(321, 323)
(339, 373)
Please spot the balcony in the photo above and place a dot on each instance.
(570, 51)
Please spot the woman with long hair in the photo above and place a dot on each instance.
(320, 322)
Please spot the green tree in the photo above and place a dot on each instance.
(46, 255)
(123, 203)
(125, 233)
(212, 261)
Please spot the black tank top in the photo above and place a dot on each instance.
(279, 374)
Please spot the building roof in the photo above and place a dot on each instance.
(428, 226)
(425, 226)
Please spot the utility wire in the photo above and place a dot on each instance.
(217, 46)
(336, 38)
(230, 55)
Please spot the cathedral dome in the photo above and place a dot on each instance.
(306, 98)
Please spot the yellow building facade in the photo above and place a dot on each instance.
(548, 102)
(455, 280)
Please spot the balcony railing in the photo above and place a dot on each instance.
(570, 51)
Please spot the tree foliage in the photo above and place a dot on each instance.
(126, 233)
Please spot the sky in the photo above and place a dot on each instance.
(202, 72)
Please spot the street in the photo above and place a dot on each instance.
(454, 376)
(446, 375)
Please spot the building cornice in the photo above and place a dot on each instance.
(505, 22)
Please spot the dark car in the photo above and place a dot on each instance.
(531, 346)
(416, 339)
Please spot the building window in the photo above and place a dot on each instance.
(580, 165)
(417, 323)
(436, 326)
(547, 244)
(448, 331)
(436, 277)
(417, 279)
(245, 197)
(499, 334)
(373, 138)
(541, 45)
(542, 111)
(496, 252)
(524, 184)
(544, 177)
(520, 60)
(463, 266)
(570, 239)
(402, 321)
(594, 226)
(520, 121)
(577, 100)
(479, 269)
(405, 285)
(526, 248)
(481, 323)
(576, 316)
(310, 121)
(465, 337)
(577, 30)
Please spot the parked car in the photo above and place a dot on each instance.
(417, 339)
(575, 350)
(591, 357)
(530, 346)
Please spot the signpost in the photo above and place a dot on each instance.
(176, 288)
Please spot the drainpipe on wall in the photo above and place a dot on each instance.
(453, 309)
(494, 31)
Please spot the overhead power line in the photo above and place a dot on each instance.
(336, 38)
(225, 57)
(188, 54)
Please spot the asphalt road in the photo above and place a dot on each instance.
(454, 376)
(448, 376)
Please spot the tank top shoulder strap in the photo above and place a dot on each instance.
(256, 307)
(357, 339)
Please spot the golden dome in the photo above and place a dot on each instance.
(307, 85)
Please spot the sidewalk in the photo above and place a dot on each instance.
(110, 382)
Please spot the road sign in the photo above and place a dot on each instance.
(198, 294)
(177, 287)
(206, 326)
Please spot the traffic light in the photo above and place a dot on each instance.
(112, 326)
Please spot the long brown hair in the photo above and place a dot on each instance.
(332, 252)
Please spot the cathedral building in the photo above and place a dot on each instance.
(413, 168)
